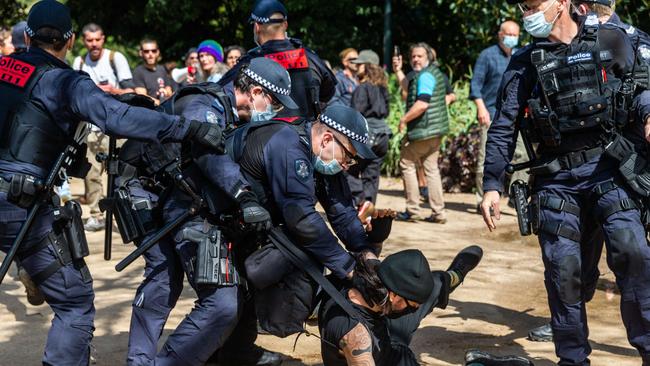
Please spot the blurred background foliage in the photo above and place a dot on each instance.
(457, 29)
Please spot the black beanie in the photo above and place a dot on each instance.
(407, 274)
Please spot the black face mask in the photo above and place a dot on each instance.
(398, 314)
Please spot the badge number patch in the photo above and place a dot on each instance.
(15, 72)
(303, 169)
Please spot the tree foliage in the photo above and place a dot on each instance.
(457, 29)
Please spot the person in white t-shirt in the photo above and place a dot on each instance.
(111, 72)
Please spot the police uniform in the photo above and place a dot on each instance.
(592, 237)
(311, 80)
(41, 95)
(218, 180)
(573, 175)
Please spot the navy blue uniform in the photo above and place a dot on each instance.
(592, 237)
(593, 186)
(211, 321)
(278, 159)
(311, 79)
(70, 98)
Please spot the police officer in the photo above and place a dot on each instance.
(219, 181)
(583, 65)
(311, 80)
(591, 240)
(41, 105)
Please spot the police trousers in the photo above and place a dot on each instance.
(204, 330)
(604, 201)
(68, 291)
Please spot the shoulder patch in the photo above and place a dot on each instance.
(211, 117)
(15, 72)
(644, 51)
(303, 169)
(290, 59)
(592, 19)
(630, 30)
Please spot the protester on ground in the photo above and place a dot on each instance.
(391, 298)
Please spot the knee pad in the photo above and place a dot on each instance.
(570, 282)
(624, 252)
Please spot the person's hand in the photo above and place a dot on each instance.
(206, 134)
(191, 79)
(254, 217)
(397, 63)
(647, 129)
(491, 200)
(483, 117)
(106, 88)
(402, 125)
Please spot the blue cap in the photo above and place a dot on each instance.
(49, 13)
(263, 9)
(350, 123)
(272, 77)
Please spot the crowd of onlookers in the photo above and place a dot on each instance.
(362, 84)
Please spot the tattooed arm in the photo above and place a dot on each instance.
(357, 347)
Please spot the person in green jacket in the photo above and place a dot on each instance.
(426, 122)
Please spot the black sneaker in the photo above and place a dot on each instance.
(466, 260)
(541, 334)
(476, 357)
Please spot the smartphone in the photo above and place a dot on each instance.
(396, 52)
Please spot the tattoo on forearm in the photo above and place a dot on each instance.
(357, 347)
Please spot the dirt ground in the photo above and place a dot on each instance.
(493, 310)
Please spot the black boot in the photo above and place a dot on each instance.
(465, 261)
(541, 334)
(475, 357)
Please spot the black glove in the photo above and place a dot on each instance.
(254, 216)
(207, 134)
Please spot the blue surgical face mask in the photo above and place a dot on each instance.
(330, 168)
(266, 115)
(536, 23)
(510, 41)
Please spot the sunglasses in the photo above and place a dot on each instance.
(350, 157)
(150, 51)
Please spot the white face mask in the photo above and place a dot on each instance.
(536, 24)
(264, 115)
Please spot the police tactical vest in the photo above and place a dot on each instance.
(304, 90)
(435, 120)
(236, 144)
(28, 134)
(574, 90)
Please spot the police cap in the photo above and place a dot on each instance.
(352, 125)
(263, 9)
(407, 274)
(49, 13)
(272, 77)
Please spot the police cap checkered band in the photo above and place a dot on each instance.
(264, 9)
(49, 13)
(265, 83)
(344, 130)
